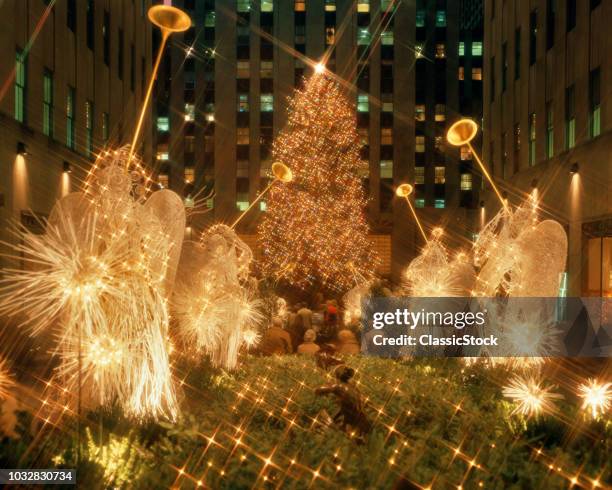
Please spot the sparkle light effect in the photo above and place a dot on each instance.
(596, 397)
(315, 230)
(97, 278)
(530, 396)
(215, 304)
(6, 380)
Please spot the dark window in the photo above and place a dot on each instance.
(106, 37)
(595, 103)
(492, 79)
(517, 54)
(132, 67)
(71, 15)
(570, 117)
(551, 11)
(48, 102)
(570, 12)
(504, 66)
(533, 36)
(595, 3)
(120, 55)
(90, 24)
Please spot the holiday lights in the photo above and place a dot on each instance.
(6, 380)
(315, 230)
(596, 396)
(530, 396)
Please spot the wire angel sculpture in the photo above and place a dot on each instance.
(99, 278)
(214, 302)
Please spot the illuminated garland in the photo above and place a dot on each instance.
(315, 230)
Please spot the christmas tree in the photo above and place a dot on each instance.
(315, 232)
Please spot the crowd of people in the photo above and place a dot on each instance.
(308, 329)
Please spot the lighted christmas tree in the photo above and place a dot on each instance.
(315, 232)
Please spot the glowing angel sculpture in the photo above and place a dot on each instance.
(214, 303)
(98, 278)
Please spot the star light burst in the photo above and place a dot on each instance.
(530, 396)
(6, 380)
(596, 397)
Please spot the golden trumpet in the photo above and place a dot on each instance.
(169, 20)
(404, 190)
(462, 133)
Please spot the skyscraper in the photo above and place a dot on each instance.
(224, 92)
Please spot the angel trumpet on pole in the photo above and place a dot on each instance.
(281, 173)
(404, 190)
(462, 133)
(170, 20)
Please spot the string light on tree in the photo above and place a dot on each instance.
(596, 397)
(315, 230)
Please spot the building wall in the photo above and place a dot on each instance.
(33, 182)
(567, 58)
(385, 75)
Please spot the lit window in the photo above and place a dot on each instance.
(595, 102)
(243, 5)
(420, 18)
(440, 112)
(439, 175)
(105, 125)
(263, 206)
(189, 144)
(163, 124)
(419, 112)
(363, 104)
(265, 69)
(570, 117)
(89, 127)
(386, 136)
(162, 155)
(330, 35)
(210, 203)
(466, 153)
(476, 73)
(420, 144)
(267, 5)
(363, 169)
(364, 136)
(163, 181)
(418, 51)
(330, 5)
(363, 36)
(243, 69)
(386, 37)
(461, 48)
(242, 201)
(189, 112)
(242, 136)
(48, 103)
(189, 175)
(300, 5)
(439, 204)
(466, 182)
(70, 127)
(267, 103)
(419, 175)
(419, 203)
(209, 19)
(439, 144)
(440, 50)
(441, 18)
(386, 169)
(243, 103)
(20, 86)
(385, 4)
(363, 6)
(461, 75)
(532, 138)
(387, 106)
(242, 168)
(477, 48)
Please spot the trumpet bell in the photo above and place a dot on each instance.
(169, 19)
(462, 132)
(403, 190)
(282, 172)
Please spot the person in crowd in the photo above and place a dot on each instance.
(305, 314)
(296, 328)
(347, 343)
(275, 339)
(309, 346)
(330, 323)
